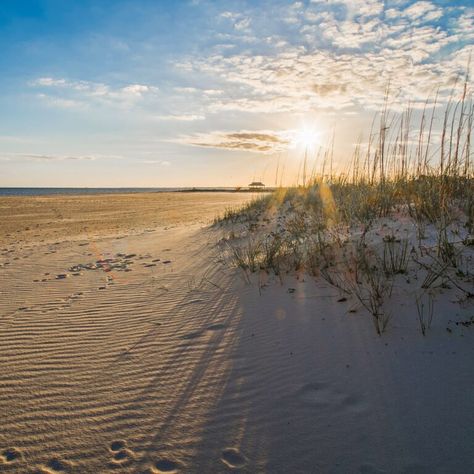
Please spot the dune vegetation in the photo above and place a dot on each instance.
(399, 218)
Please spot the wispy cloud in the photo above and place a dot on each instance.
(36, 157)
(61, 102)
(341, 54)
(156, 162)
(180, 118)
(17, 139)
(66, 93)
(239, 21)
(260, 141)
(423, 11)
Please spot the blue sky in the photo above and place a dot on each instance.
(156, 93)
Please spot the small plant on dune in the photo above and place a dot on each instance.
(231, 215)
(246, 257)
(372, 286)
(372, 292)
(425, 310)
(296, 253)
(420, 231)
(425, 196)
(436, 271)
(314, 258)
(446, 249)
(273, 251)
(433, 275)
(247, 213)
(296, 225)
(439, 271)
(336, 278)
(395, 257)
(320, 252)
(469, 211)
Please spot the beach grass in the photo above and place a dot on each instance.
(403, 210)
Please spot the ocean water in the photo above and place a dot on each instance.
(49, 191)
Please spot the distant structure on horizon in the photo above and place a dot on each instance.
(256, 185)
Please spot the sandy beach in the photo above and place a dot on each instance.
(236, 237)
(91, 352)
(133, 347)
(27, 219)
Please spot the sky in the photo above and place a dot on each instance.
(209, 93)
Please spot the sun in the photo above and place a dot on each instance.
(306, 137)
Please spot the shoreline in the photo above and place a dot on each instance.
(31, 192)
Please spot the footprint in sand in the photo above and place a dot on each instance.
(216, 327)
(56, 465)
(319, 394)
(192, 335)
(53, 466)
(11, 455)
(232, 458)
(416, 468)
(354, 404)
(316, 394)
(165, 465)
(117, 445)
(370, 469)
(121, 455)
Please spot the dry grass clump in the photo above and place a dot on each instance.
(250, 212)
(395, 256)
(425, 310)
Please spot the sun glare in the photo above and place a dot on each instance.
(306, 138)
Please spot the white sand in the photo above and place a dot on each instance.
(185, 367)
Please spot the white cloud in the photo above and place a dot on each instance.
(239, 21)
(180, 118)
(340, 58)
(53, 157)
(230, 15)
(255, 141)
(65, 93)
(49, 81)
(45, 157)
(465, 25)
(354, 8)
(328, 55)
(135, 89)
(62, 103)
(16, 139)
(260, 141)
(156, 162)
(242, 24)
(424, 10)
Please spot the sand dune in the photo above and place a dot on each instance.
(144, 353)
